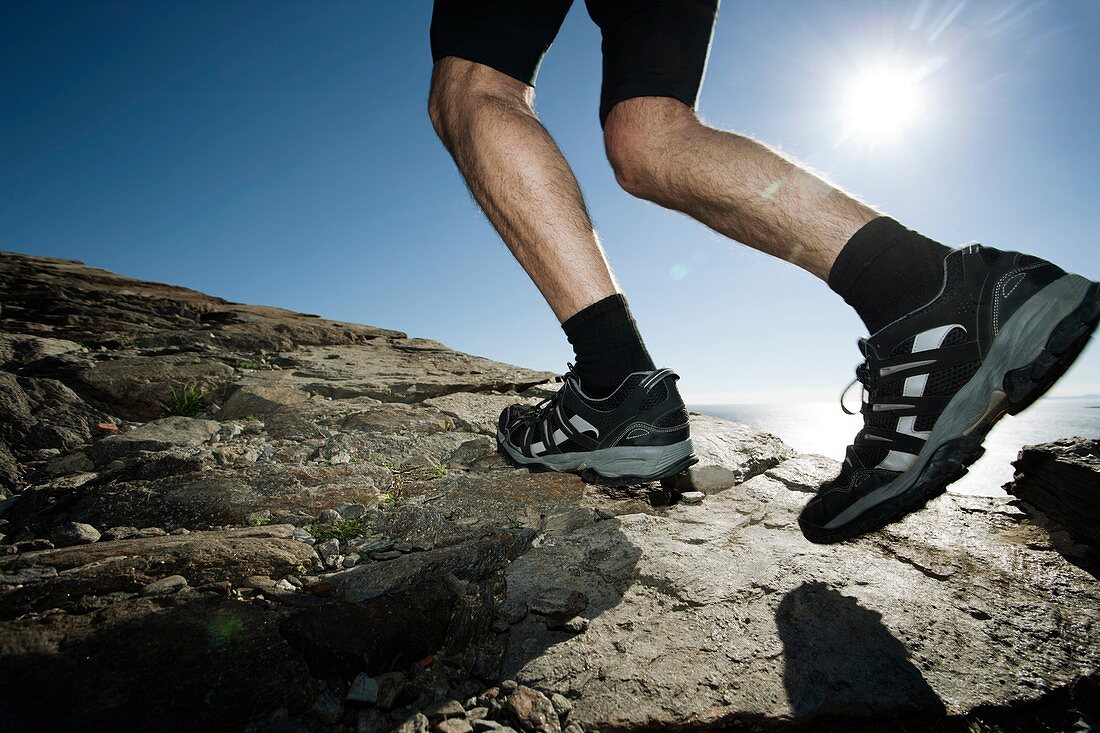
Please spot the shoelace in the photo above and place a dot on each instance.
(863, 376)
(546, 405)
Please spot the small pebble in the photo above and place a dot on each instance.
(577, 625)
(364, 689)
(351, 560)
(328, 548)
(354, 511)
(446, 708)
(486, 724)
(692, 497)
(561, 704)
(74, 533)
(329, 516)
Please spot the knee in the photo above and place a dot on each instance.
(463, 91)
(640, 137)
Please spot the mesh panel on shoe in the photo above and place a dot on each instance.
(618, 396)
(956, 337)
(891, 389)
(871, 457)
(880, 421)
(655, 397)
(679, 417)
(904, 347)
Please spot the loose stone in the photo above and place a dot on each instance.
(353, 511)
(454, 725)
(561, 705)
(171, 584)
(445, 708)
(74, 533)
(328, 548)
(364, 689)
(416, 724)
(533, 710)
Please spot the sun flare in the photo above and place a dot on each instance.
(882, 104)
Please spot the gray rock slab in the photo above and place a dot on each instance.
(134, 386)
(156, 435)
(404, 370)
(805, 472)
(17, 349)
(260, 399)
(734, 617)
(477, 412)
(728, 453)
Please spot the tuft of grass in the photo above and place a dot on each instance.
(344, 530)
(261, 521)
(247, 364)
(186, 402)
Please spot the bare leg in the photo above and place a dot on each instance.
(523, 184)
(662, 152)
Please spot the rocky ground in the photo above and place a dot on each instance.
(234, 517)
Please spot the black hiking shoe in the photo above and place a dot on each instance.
(636, 434)
(1003, 329)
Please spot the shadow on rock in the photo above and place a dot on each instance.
(183, 663)
(842, 662)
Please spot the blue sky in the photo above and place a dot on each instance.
(279, 153)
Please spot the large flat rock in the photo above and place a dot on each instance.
(67, 299)
(722, 614)
(404, 370)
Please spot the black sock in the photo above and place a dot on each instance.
(886, 271)
(607, 344)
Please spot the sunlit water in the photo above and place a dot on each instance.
(822, 428)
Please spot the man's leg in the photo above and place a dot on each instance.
(662, 152)
(521, 181)
(523, 184)
(616, 414)
(959, 338)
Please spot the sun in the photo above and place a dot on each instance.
(882, 104)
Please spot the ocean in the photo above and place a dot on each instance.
(822, 428)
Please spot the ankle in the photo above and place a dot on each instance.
(886, 271)
(607, 345)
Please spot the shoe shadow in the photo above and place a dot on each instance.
(842, 662)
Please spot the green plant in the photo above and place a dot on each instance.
(187, 401)
(343, 530)
(247, 364)
(261, 521)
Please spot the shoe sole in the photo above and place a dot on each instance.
(1034, 348)
(619, 466)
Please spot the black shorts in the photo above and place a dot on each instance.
(651, 48)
